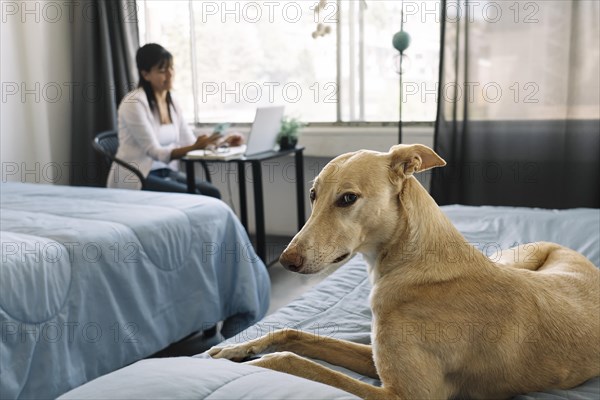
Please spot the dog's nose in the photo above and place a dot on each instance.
(291, 259)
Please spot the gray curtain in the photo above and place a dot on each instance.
(519, 104)
(105, 39)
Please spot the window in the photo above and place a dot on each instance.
(232, 56)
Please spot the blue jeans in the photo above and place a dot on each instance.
(167, 180)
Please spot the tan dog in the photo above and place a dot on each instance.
(447, 321)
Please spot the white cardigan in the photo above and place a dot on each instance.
(138, 139)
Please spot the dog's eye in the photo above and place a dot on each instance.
(313, 195)
(347, 199)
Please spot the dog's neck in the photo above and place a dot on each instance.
(425, 247)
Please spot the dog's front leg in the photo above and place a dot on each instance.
(354, 356)
(293, 364)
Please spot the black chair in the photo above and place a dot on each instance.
(106, 143)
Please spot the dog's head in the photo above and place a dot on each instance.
(355, 206)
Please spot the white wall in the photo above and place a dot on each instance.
(35, 111)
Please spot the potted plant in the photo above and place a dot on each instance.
(288, 133)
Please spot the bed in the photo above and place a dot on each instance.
(338, 307)
(95, 279)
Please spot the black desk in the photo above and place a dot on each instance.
(259, 207)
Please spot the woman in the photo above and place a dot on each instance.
(153, 134)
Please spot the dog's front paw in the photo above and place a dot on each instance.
(233, 353)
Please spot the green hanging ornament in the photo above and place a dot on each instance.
(401, 41)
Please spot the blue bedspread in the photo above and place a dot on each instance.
(339, 307)
(95, 279)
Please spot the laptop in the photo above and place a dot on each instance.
(262, 137)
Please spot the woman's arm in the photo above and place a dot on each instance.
(187, 141)
(201, 142)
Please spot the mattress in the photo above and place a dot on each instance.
(338, 307)
(94, 279)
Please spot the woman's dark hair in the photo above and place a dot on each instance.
(149, 56)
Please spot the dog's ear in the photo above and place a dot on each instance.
(408, 159)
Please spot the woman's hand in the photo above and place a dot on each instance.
(203, 141)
